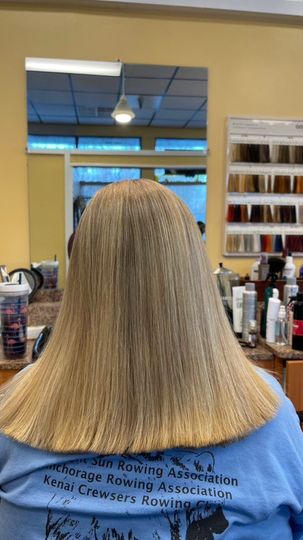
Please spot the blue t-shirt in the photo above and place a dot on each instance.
(248, 490)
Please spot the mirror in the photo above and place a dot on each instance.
(76, 147)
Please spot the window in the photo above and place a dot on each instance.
(51, 142)
(58, 142)
(132, 144)
(190, 186)
(194, 145)
(89, 180)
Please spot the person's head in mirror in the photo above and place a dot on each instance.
(201, 226)
(143, 368)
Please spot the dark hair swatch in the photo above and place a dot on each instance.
(250, 153)
(282, 184)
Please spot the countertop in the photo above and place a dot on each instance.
(18, 363)
(260, 352)
(284, 351)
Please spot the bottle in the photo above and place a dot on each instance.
(252, 333)
(263, 269)
(281, 326)
(267, 296)
(254, 271)
(272, 316)
(290, 289)
(297, 328)
(249, 308)
(290, 317)
(226, 280)
(289, 269)
(237, 309)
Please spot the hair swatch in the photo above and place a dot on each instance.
(246, 183)
(285, 214)
(237, 213)
(294, 243)
(282, 184)
(250, 153)
(255, 243)
(280, 154)
(261, 214)
(300, 217)
(298, 184)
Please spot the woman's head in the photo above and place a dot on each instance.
(142, 356)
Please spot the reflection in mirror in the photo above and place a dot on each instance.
(73, 140)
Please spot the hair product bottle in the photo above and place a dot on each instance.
(272, 316)
(249, 308)
(267, 296)
(297, 327)
(254, 271)
(289, 269)
(290, 289)
(281, 326)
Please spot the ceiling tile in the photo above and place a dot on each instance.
(144, 114)
(30, 108)
(92, 99)
(174, 115)
(195, 124)
(146, 86)
(47, 81)
(192, 73)
(94, 83)
(96, 121)
(200, 116)
(139, 122)
(187, 88)
(33, 118)
(151, 71)
(168, 123)
(55, 110)
(50, 97)
(50, 119)
(176, 102)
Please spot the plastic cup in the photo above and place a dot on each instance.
(49, 270)
(13, 312)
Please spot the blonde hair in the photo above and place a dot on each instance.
(142, 356)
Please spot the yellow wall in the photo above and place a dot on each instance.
(46, 209)
(253, 70)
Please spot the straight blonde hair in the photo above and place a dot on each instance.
(142, 356)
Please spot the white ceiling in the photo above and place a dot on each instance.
(270, 7)
(264, 7)
(161, 96)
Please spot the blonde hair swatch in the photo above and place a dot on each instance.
(142, 356)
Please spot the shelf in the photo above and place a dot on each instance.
(273, 169)
(252, 198)
(259, 228)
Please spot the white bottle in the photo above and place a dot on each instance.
(290, 289)
(249, 308)
(272, 316)
(281, 327)
(237, 308)
(254, 271)
(289, 269)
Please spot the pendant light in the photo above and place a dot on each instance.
(122, 113)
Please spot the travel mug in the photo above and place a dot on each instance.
(13, 312)
(49, 270)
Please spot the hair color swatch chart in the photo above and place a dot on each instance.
(264, 187)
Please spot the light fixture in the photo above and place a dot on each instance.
(122, 113)
(80, 67)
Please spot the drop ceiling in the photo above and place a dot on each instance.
(161, 96)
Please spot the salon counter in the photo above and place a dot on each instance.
(9, 368)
